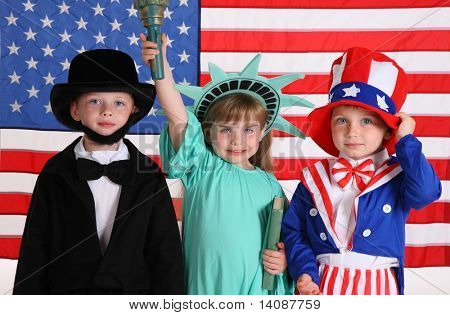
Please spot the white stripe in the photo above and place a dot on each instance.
(339, 281)
(327, 279)
(415, 104)
(289, 147)
(55, 141)
(383, 280)
(324, 19)
(12, 225)
(428, 234)
(373, 282)
(417, 61)
(7, 274)
(289, 187)
(24, 183)
(350, 283)
(432, 280)
(393, 287)
(361, 283)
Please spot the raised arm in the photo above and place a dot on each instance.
(169, 98)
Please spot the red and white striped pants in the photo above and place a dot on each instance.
(354, 281)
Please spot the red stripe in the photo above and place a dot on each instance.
(322, 41)
(332, 281)
(323, 191)
(437, 212)
(430, 256)
(378, 280)
(345, 281)
(323, 4)
(387, 289)
(368, 284)
(356, 282)
(426, 126)
(15, 203)
(9, 247)
(318, 83)
(324, 277)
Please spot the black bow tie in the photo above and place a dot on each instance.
(119, 172)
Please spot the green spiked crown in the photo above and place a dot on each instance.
(266, 91)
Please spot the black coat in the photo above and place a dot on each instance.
(60, 251)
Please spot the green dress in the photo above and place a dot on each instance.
(225, 214)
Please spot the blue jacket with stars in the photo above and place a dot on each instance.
(414, 187)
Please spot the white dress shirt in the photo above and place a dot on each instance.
(106, 193)
(344, 220)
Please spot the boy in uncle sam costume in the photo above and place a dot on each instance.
(344, 231)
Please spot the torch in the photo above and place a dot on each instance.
(152, 15)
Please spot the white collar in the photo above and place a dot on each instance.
(102, 157)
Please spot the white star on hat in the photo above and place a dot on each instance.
(381, 101)
(351, 91)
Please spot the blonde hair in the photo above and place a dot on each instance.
(238, 106)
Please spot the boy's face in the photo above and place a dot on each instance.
(357, 132)
(236, 142)
(103, 112)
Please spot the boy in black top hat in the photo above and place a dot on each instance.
(101, 219)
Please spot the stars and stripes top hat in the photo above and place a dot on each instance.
(363, 78)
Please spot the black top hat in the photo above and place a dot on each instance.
(100, 70)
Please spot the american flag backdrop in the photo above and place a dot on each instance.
(39, 39)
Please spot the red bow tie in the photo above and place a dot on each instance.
(344, 173)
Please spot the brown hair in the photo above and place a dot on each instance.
(237, 106)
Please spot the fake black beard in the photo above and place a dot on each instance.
(112, 138)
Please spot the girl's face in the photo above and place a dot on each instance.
(103, 112)
(357, 132)
(236, 141)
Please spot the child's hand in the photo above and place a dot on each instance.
(406, 127)
(150, 49)
(306, 286)
(275, 261)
